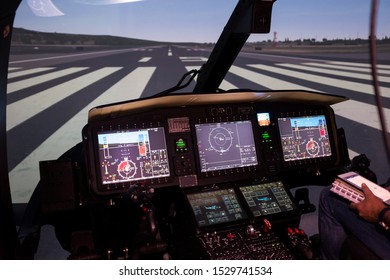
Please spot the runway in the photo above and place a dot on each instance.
(49, 96)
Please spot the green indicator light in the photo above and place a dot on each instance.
(265, 136)
(181, 144)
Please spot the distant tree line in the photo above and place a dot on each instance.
(28, 37)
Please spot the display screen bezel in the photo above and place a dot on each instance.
(95, 169)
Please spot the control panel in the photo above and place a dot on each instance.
(242, 220)
(245, 244)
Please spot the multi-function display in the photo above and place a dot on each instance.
(132, 155)
(225, 145)
(304, 137)
(216, 207)
(267, 198)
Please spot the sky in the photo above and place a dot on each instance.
(200, 20)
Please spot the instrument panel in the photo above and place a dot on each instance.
(207, 142)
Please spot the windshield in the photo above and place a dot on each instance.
(68, 56)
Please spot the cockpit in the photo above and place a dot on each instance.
(124, 164)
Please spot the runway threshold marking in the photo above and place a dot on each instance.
(348, 85)
(380, 66)
(343, 67)
(24, 109)
(26, 83)
(346, 74)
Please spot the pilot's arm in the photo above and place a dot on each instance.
(372, 208)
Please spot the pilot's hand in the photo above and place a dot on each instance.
(370, 207)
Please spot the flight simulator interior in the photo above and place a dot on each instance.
(203, 175)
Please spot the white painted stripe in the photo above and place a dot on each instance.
(24, 109)
(25, 176)
(352, 86)
(193, 59)
(145, 59)
(29, 71)
(193, 67)
(362, 113)
(334, 72)
(130, 87)
(169, 52)
(348, 68)
(15, 86)
(265, 80)
(352, 153)
(380, 66)
(225, 85)
(14, 68)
